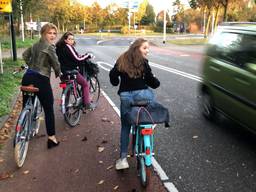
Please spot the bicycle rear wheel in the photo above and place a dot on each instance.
(72, 105)
(94, 90)
(144, 171)
(21, 140)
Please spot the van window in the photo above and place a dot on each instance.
(236, 49)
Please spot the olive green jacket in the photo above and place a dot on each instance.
(41, 57)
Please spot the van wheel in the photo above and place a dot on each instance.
(207, 106)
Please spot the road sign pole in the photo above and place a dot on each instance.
(14, 52)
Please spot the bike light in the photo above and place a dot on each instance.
(18, 127)
(63, 85)
(147, 151)
(146, 131)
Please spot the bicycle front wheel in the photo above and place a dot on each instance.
(94, 90)
(72, 104)
(21, 140)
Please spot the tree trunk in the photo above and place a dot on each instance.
(225, 11)
(208, 24)
(216, 18)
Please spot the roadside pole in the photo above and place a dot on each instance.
(22, 21)
(164, 27)
(14, 52)
(1, 60)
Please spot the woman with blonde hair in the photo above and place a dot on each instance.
(40, 58)
(135, 76)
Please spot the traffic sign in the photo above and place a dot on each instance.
(6, 6)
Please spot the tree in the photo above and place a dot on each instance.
(149, 17)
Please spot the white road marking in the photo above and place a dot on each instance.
(164, 178)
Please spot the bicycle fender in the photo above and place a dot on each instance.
(147, 145)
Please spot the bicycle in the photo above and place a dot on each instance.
(28, 124)
(143, 117)
(71, 97)
(142, 146)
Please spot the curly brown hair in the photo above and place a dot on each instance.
(132, 61)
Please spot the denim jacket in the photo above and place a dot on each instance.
(41, 57)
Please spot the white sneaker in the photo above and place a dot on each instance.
(122, 164)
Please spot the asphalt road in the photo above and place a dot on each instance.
(196, 155)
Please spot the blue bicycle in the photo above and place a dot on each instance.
(143, 116)
(142, 146)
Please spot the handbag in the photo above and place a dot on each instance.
(153, 113)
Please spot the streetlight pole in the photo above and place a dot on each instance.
(22, 21)
(164, 27)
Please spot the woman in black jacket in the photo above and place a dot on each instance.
(134, 75)
(69, 59)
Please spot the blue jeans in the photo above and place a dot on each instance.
(126, 99)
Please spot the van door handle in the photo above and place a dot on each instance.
(242, 81)
(215, 68)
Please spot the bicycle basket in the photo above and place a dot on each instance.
(154, 113)
(89, 68)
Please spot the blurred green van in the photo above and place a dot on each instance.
(229, 74)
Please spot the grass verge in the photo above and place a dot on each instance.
(6, 44)
(192, 41)
(9, 84)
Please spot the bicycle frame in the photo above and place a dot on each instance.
(30, 106)
(145, 132)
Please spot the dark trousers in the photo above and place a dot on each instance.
(45, 97)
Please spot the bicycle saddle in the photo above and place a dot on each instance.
(29, 88)
(71, 72)
(142, 103)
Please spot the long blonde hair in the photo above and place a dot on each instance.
(132, 61)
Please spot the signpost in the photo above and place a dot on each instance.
(133, 6)
(6, 7)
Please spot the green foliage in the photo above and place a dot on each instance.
(149, 17)
(9, 84)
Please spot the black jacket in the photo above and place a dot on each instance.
(69, 58)
(131, 84)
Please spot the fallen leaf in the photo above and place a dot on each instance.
(104, 119)
(84, 139)
(100, 149)
(110, 167)
(5, 175)
(26, 172)
(7, 125)
(100, 182)
(116, 187)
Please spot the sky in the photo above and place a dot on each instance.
(157, 4)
